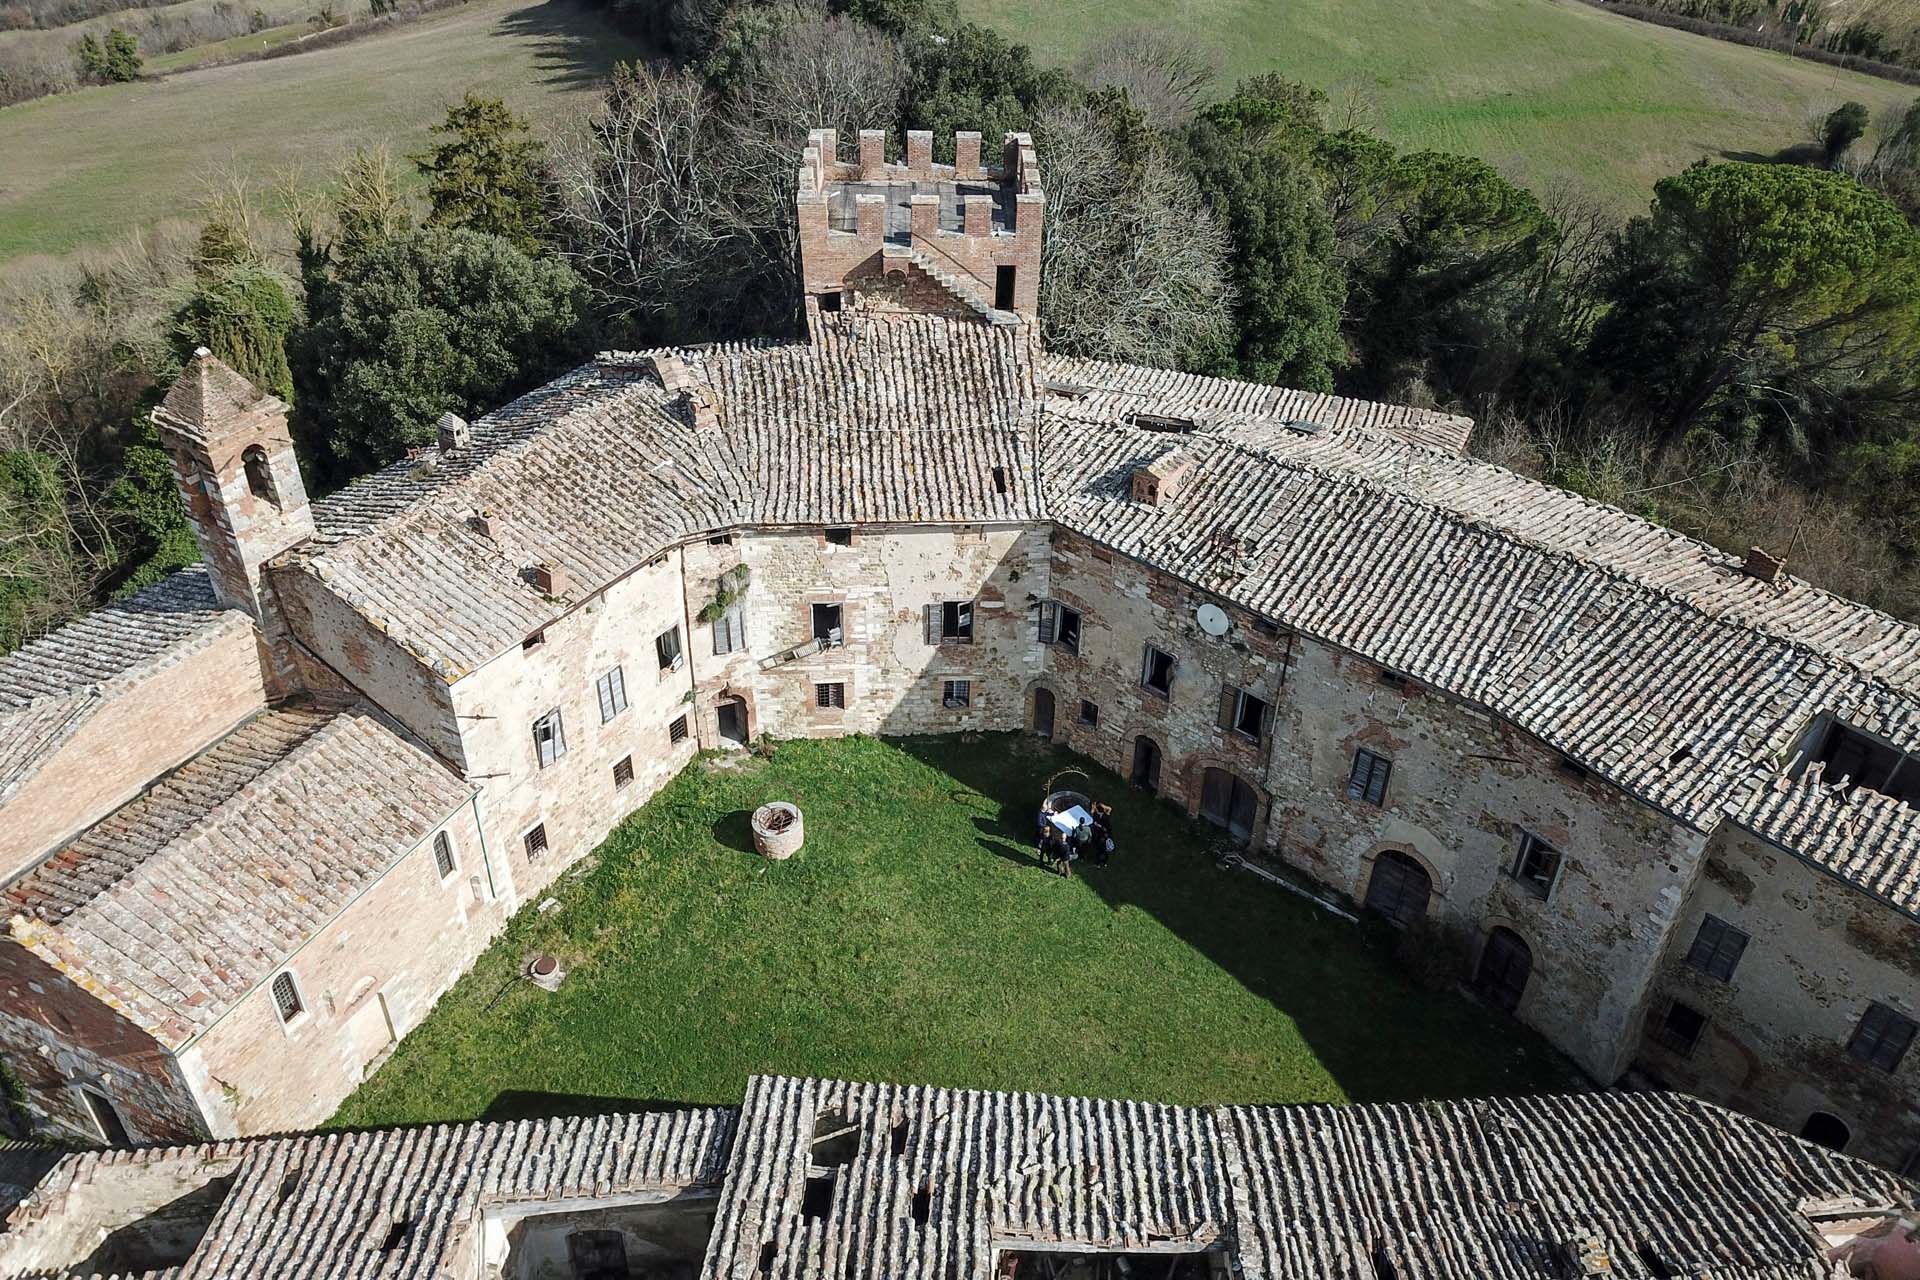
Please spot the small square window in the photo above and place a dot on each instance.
(950, 622)
(828, 625)
(1680, 1029)
(1060, 624)
(533, 641)
(612, 688)
(1265, 626)
(1882, 1037)
(443, 854)
(1156, 671)
(832, 694)
(1538, 865)
(1717, 948)
(1242, 713)
(549, 738)
(1572, 768)
(1089, 714)
(1392, 679)
(677, 731)
(720, 540)
(622, 772)
(1367, 779)
(840, 537)
(286, 997)
(536, 843)
(957, 694)
(666, 647)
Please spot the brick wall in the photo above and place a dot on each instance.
(367, 978)
(1775, 1043)
(140, 730)
(55, 1037)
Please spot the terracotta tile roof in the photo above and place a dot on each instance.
(182, 901)
(207, 391)
(324, 1204)
(1648, 657)
(939, 1181)
(1455, 1190)
(50, 686)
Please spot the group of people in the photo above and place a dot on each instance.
(1091, 838)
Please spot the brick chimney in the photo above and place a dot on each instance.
(551, 580)
(1764, 567)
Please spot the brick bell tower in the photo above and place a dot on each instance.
(239, 480)
(960, 239)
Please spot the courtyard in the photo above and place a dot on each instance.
(916, 937)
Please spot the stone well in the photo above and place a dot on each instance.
(778, 830)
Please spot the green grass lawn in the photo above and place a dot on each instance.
(915, 938)
(88, 167)
(1548, 90)
(237, 47)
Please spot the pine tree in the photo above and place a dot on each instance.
(487, 174)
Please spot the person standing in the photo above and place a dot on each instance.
(1102, 839)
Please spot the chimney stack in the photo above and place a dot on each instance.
(455, 434)
(551, 579)
(1764, 567)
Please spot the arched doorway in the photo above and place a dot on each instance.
(1146, 764)
(1043, 712)
(731, 715)
(1828, 1130)
(1227, 801)
(1506, 962)
(1399, 887)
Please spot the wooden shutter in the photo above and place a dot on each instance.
(605, 685)
(966, 620)
(1266, 721)
(1048, 619)
(1229, 699)
(933, 623)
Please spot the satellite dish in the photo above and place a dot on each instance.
(1212, 619)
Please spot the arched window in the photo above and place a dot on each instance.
(1228, 802)
(259, 474)
(1399, 887)
(1506, 962)
(1827, 1130)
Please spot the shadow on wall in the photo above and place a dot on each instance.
(1380, 1035)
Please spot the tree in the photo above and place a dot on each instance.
(972, 77)
(1289, 287)
(242, 312)
(1450, 240)
(1134, 267)
(487, 174)
(114, 61)
(1843, 127)
(1770, 295)
(368, 207)
(1166, 73)
(431, 322)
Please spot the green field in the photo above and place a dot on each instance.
(86, 167)
(916, 938)
(1547, 90)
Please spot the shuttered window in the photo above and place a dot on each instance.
(1882, 1037)
(730, 631)
(1538, 865)
(1156, 671)
(612, 688)
(666, 646)
(549, 738)
(950, 622)
(1717, 948)
(1367, 780)
(1243, 713)
(1060, 624)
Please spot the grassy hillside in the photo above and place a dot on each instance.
(1546, 89)
(85, 167)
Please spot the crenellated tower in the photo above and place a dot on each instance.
(960, 239)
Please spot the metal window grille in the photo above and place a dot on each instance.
(286, 997)
(443, 854)
(830, 695)
(677, 731)
(623, 771)
(536, 842)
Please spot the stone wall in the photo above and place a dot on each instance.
(884, 581)
(1463, 789)
(1775, 1043)
(577, 799)
(366, 979)
(57, 1037)
(141, 730)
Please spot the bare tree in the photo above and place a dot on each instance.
(1165, 72)
(1134, 266)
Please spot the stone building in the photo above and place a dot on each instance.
(826, 1180)
(1653, 799)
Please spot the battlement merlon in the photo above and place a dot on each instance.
(821, 165)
